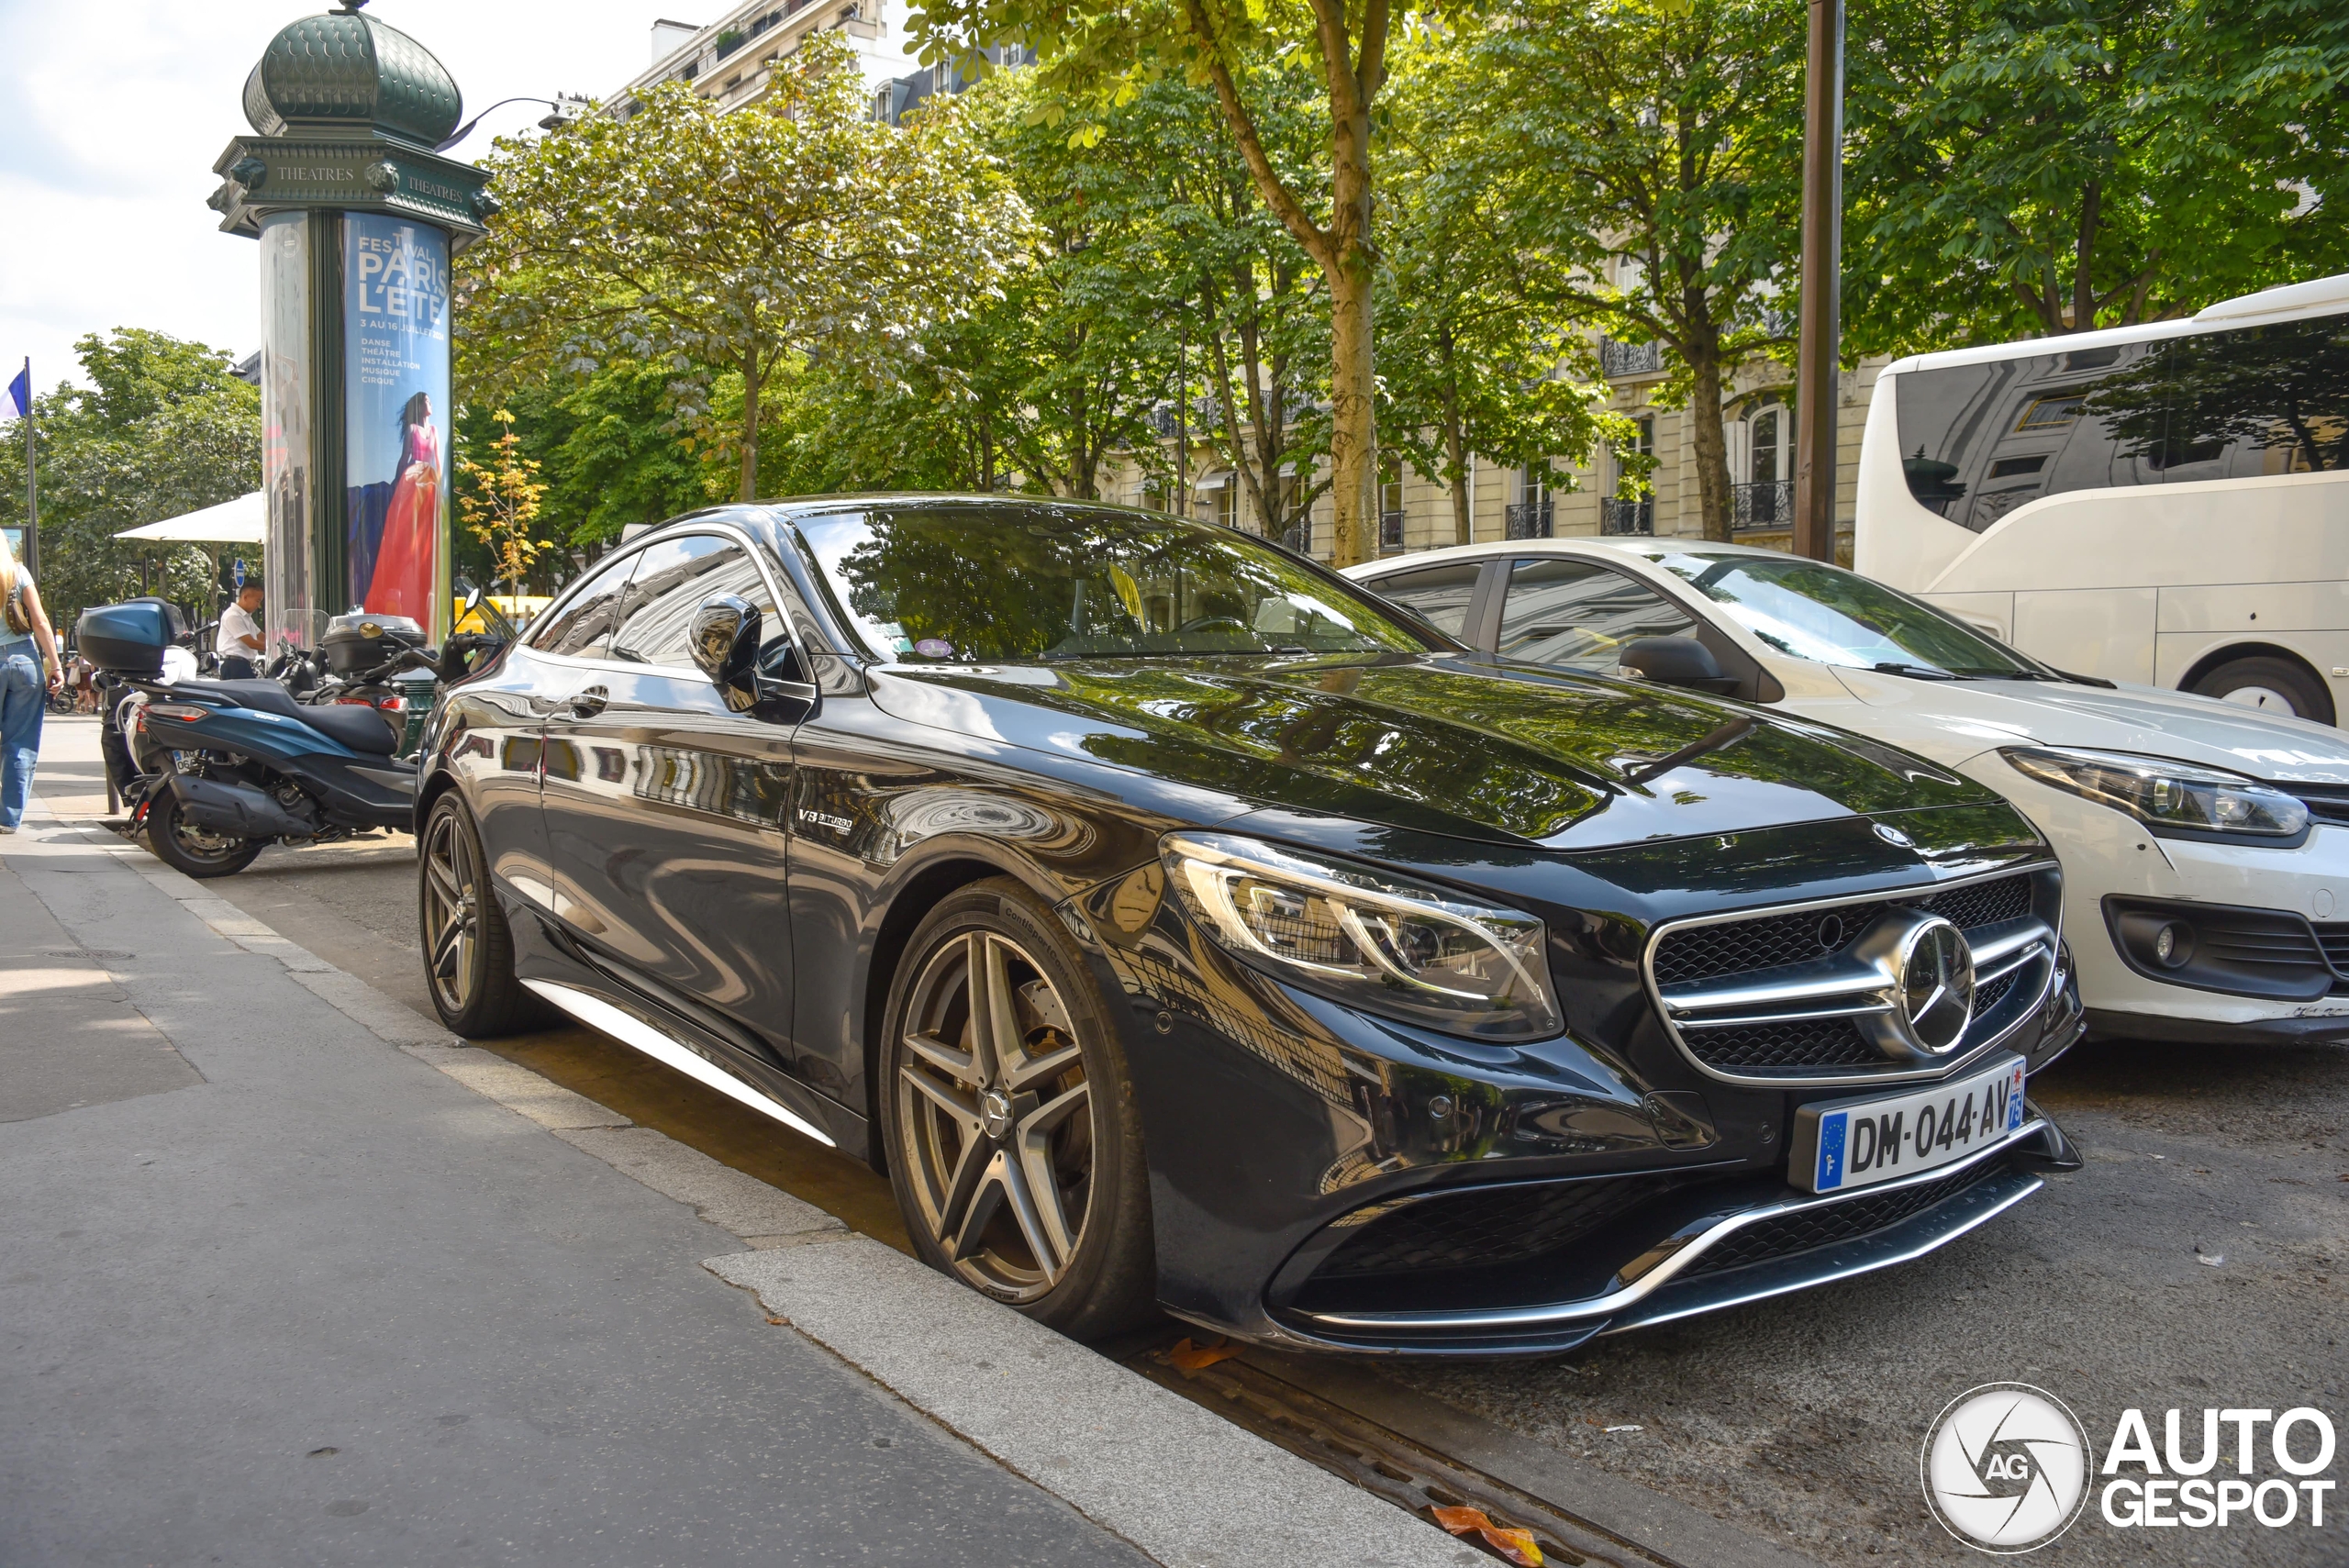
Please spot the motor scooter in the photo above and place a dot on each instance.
(227, 768)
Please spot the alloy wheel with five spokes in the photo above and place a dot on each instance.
(996, 1113)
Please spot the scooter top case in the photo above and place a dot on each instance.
(343, 753)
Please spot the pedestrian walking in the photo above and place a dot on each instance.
(30, 671)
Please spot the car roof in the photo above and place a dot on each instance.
(1645, 546)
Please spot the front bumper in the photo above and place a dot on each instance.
(1745, 1245)
(2107, 854)
(1326, 1179)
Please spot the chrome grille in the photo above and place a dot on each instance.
(1789, 995)
(1770, 942)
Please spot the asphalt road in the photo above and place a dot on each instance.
(2196, 1261)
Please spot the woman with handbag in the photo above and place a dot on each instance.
(30, 669)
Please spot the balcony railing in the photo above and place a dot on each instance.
(1528, 519)
(1617, 516)
(1768, 505)
(1628, 358)
(1390, 531)
(1299, 536)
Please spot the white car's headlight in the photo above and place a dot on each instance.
(2167, 796)
(1368, 939)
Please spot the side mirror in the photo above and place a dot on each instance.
(1675, 661)
(725, 638)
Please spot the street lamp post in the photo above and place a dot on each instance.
(357, 215)
(1817, 349)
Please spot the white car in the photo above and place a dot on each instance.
(2205, 845)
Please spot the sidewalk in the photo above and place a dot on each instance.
(289, 1278)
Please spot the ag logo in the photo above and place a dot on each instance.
(2006, 1467)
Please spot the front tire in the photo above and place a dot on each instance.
(1014, 1143)
(468, 947)
(192, 850)
(2271, 685)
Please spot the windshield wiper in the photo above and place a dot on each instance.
(1916, 672)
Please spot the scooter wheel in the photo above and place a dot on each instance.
(194, 851)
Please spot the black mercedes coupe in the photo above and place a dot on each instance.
(1176, 923)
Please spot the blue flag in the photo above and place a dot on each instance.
(21, 390)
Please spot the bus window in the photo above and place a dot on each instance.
(1978, 440)
(2258, 400)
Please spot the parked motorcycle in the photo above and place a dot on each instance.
(227, 768)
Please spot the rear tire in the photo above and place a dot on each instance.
(1014, 1143)
(2271, 685)
(192, 850)
(468, 947)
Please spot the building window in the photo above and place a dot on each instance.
(1390, 502)
(1227, 502)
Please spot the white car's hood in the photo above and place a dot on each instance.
(1951, 721)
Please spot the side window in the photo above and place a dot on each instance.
(584, 627)
(1575, 614)
(1441, 594)
(1976, 441)
(2256, 400)
(673, 579)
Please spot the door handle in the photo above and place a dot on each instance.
(587, 704)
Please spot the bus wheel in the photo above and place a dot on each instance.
(2272, 685)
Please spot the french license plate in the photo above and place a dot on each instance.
(1842, 1144)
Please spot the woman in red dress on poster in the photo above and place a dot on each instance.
(405, 563)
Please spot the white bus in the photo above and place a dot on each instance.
(2166, 505)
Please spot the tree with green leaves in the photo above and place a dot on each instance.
(717, 243)
(1647, 154)
(1096, 56)
(1473, 360)
(2034, 167)
(163, 428)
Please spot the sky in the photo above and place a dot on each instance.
(111, 115)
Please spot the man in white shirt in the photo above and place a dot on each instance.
(239, 643)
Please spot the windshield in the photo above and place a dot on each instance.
(1808, 609)
(1008, 584)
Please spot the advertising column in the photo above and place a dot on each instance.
(395, 425)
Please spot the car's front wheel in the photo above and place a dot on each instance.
(1009, 1114)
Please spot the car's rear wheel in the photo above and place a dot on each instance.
(2270, 684)
(467, 948)
(192, 850)
(1008, 1114)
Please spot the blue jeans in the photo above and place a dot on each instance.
(23, 696)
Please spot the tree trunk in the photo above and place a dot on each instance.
(1456, 455)
(1712, 447)
(2082, 284)
(750, 431)
(1353, 423)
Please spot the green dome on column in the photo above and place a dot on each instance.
(343, 70)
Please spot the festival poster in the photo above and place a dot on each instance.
(395, 343)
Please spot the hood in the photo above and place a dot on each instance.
(1432, 743)
(1951, 721)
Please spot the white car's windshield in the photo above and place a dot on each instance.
(1808, 609)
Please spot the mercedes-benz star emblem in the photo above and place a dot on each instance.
(1928, 971)
(995, 1113)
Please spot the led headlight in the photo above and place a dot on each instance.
(1368, 939)
(2165, 794)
